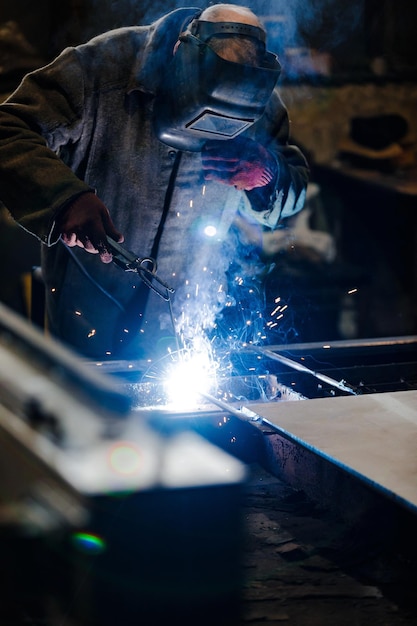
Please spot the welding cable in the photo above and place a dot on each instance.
(167, 204)
(91, 279)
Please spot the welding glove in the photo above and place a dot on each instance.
(85, 222)
(240, 162)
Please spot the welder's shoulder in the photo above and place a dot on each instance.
(129, 51)
(114, 45)
(128, 40)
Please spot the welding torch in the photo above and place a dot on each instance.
(144, 267)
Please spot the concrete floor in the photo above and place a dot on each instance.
(306, 567)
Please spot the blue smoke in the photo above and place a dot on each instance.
(321, 23)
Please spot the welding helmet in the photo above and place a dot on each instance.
(204, 96)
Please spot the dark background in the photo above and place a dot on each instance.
(354, 31)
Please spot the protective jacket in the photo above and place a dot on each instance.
(84, 122)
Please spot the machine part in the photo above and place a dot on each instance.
(56, 366)
(74, 476)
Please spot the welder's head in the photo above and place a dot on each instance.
(219, 80)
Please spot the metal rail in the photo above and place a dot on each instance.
(342, 385)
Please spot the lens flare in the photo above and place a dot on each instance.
(88, 543)
(125, 458)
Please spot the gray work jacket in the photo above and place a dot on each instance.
(84, 122)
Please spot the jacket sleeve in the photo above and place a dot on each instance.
(43, 114)
(271, 204)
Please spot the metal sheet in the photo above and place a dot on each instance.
(372, 437)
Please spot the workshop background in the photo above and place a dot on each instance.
(350, 84)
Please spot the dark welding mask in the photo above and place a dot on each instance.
(204, 97)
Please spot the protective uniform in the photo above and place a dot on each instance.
(84, 122)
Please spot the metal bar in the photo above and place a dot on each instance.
(348, 344)
(242, 413)
(342, 385)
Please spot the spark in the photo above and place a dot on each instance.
(206, 361)
(351, 291)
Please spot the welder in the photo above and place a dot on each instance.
(154, 137)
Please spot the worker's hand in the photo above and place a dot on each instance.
(240, 162)
(86, 222)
